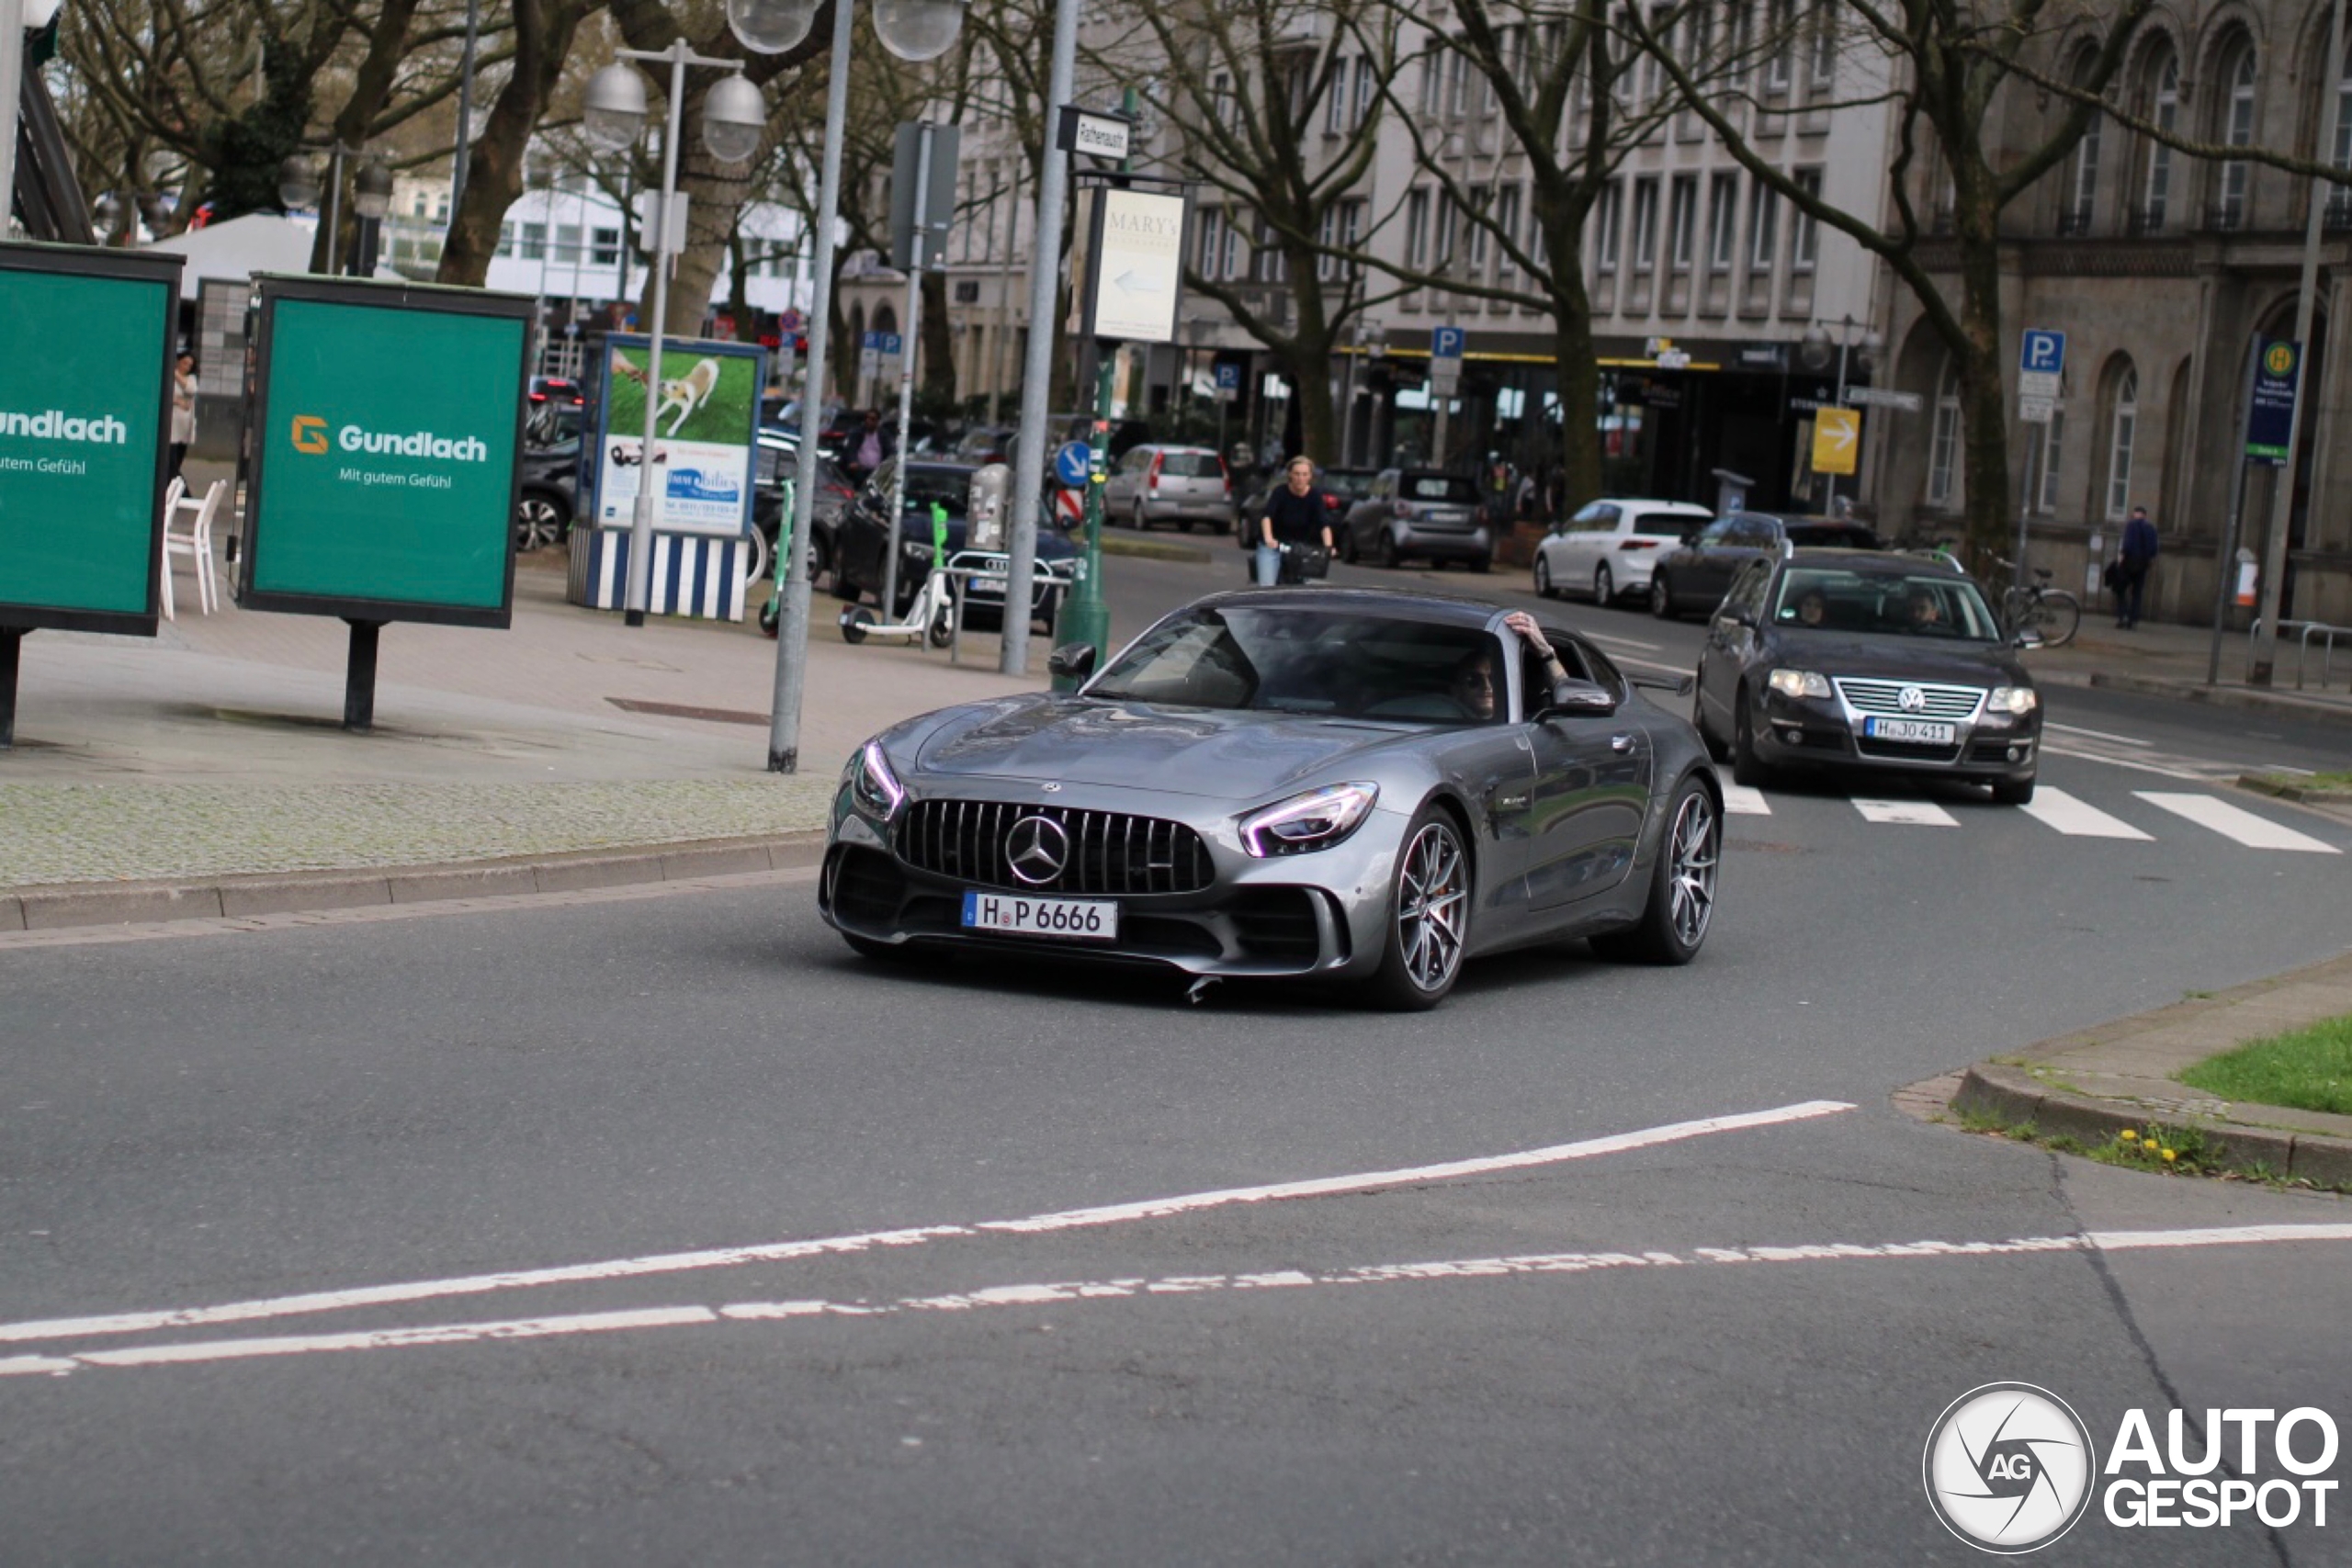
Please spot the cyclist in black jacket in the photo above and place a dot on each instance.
(1298, 513)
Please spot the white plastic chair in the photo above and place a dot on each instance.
(196, 543)
(172, 494)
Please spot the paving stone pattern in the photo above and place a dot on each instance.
(100, 832)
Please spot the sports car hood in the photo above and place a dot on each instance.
(1897, 657)
(1137, 744)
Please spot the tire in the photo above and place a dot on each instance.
(1386, 554)
(1428, 924)
(1747, 768)
(1348, 545)
(941, 631)
(1604, 585)
(1662, 597)
(762, 556)
(855, 620)
(1543, 589)
(2057, 617)
(1682, 886)
(820, 557)
(1142, 523)
(2018, 792)
(540, 521)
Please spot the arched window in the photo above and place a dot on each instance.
(2164, 110)
(2237, 130)
(1943, 450)
(2123, 424)
(2339, 201)
(2082, 185)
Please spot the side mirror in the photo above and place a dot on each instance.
(2027, 637)
(1690, 539)
(1071, 661)
(1580, 699)
(1739, 615)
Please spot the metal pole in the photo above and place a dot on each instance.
(2282, 495)
(640, 527)
(2228, 562)
(12, 641)
(1829, 503)
(464, 110)
(12, 87)
(916, 261)
(1037, 364)
(792, 609)
(359, 676)
(335, 206)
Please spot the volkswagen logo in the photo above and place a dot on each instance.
(1035, 848)
(1911, 699)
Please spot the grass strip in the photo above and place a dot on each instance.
(2310, 1069)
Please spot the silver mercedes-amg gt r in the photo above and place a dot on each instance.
(1353, 786)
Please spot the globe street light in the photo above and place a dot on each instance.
(612, 114)
(771, 27)
(297, 182)
(792, 610)
(917, 30)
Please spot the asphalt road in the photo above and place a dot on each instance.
(1712, 1344)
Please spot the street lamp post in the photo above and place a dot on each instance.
(914, 31)
(371, 195)
(1851, 335)
(612, 113)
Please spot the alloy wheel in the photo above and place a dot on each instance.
(1693, 854)
(538, 522)
(1432, 897)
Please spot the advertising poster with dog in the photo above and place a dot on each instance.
(705, 413)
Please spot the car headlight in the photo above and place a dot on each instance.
(872, 784)
(1800, 683)
(914, 552)
(2012, 699)
(1315, 821)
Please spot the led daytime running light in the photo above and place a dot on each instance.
(1315, 821)
(878, 788)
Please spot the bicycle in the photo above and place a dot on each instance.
(2053, 614)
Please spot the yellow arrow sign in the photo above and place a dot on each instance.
(1836, 437)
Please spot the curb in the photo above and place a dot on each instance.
(105, 903)
(2278, 703)
(2287, 789)
(2016, 1097)
(1154, 549)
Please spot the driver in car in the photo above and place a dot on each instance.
(1474, 687)
(1927, 616)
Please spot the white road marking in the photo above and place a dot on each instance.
(1910, 813)
(1739, 800)
(2051, 749)
(1064, 1293)
(2077, 818)
(2096, 734)
(782, 1251)
(1613, 640)
(2235, 822)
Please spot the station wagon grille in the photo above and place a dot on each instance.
(1885, 697)
(1108, 851)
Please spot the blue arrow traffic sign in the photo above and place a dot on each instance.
(1069, 463)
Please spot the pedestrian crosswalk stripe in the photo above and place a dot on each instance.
(1912, 813)
(2077, 818)
(2235, 822)
(1741, 801)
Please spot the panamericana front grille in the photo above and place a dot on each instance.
(1885, 697)
(1111, 852)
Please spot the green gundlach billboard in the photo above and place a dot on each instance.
(81, 420)
(387, 419)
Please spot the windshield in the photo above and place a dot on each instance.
(1309, 662)
(1893, 603)
(1192, 466)
(1452, 489)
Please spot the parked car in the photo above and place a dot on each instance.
(778, 459)
(547, 492)
(1184, 485)
(1867, 659)
(1611, 547)
(1694, 575)
(1342, 488)
(986, 444)
(865, 534)
(1285, 783)
(1417, 514)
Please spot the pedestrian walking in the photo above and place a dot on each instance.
(1298, 513)
(183, 412)
(2140, 549)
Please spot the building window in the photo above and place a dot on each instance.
(1212, 244)
(1943, 445)
(417, 205)
(1222, 103)
(1474, 237)
(1266, 263)
(1763, 229)
(1457, 83)
(1506, 231)
(1681, 222)
(1448, 229)
(1825, 44)
(2237, 130)
(2082, 196)
(1417, 228)
(2054, 440)
(1804, 235)
(1645, 225)
(1723, 221)
(2122, 426)
(1327, 266)
(1432, 79)
(1604, 228)
(606, 249)
(506, 239)
(535, 242)
(2166, 114)
(1780, 42)
(566, 245)
(1364, 89)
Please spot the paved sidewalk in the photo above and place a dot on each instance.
(2171, 662)
(2094, 1084)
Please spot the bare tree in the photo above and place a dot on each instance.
(1952, 64)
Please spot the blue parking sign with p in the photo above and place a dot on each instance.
(1445, 343)
(1228, 378)
(2042, 351)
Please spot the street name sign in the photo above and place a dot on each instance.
(84, 409)
(1883, 397)
(384, 426)
(1093, 134)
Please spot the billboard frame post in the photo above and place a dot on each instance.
(12, 644)
(359, 676)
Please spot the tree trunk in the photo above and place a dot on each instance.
(372, 86)
(543, 31)
(1984, 411)
(1577, 377)
(715, 192)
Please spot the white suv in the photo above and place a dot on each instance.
(1610, 549)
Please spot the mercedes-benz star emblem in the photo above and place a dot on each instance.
(1911, 699)
(1035, 848)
